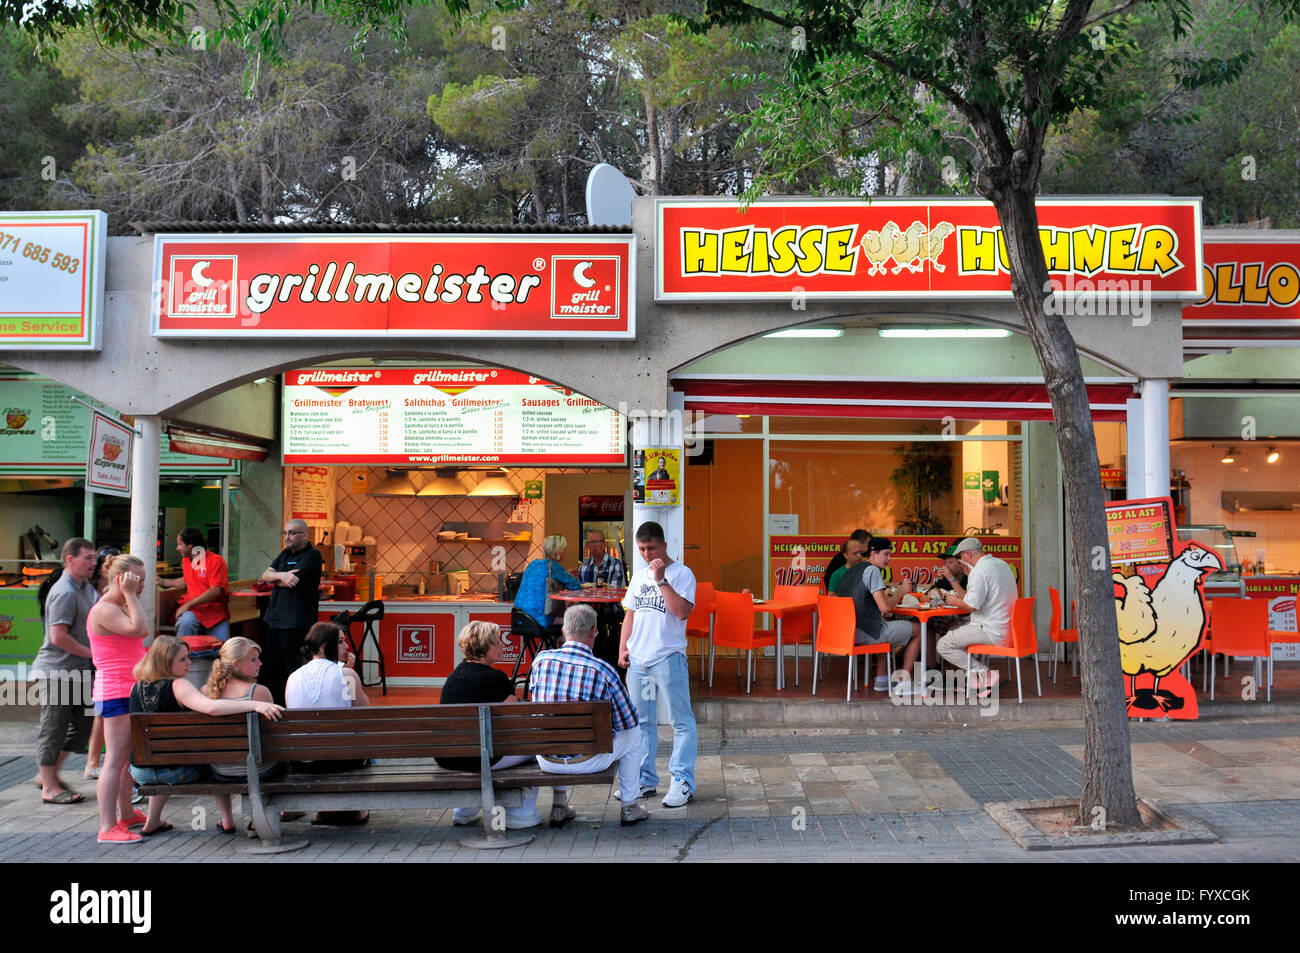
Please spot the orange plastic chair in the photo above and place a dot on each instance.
(1059, 635)
(1241, 630)
(733, 628)
(1024, 644)
(699, 623)
(798, 628)
(836, 625)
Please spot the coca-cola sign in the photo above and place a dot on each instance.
(600, 507)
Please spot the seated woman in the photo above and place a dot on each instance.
(531, 597)
(234, 678)
(476, 680)
(161, 687)
(320, 683)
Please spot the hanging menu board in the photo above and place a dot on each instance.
(44, 432)
(441, 416)
(1140, 530)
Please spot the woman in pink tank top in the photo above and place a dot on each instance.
(117, 628)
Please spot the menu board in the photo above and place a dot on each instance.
(45, 432)
(441, 416)
(1140, 530)
(802, 560)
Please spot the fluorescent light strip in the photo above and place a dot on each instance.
(944, 333)
(807, 333)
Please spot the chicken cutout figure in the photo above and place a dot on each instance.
(1162, 620)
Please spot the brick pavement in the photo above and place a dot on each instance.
(894, 795)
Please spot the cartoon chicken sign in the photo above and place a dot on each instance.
(1159, 604)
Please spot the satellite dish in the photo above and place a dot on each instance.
(609, 196)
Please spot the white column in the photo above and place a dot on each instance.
(88, 516)
(661, 431)
(144, 505)
(1155, 437)
(1135, 485)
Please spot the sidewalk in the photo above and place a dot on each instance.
(862, 795)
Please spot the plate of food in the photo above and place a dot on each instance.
(909, 601)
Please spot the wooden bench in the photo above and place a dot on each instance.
(412, 735)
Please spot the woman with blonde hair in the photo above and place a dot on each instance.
(475, 680)
(533, 587)
(234, 678)
(117, 627)
(161, 687)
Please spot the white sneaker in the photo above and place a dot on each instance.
(645, 792)
(906, 688)
(881, 684)
(631, 814)
(679, 794)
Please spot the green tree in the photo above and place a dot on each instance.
(1004, 73)
(37, 145)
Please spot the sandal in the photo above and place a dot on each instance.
(64, 797)
(224, 829)
(90, 774)
(160, 829)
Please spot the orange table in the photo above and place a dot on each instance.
(924, 613)
(780, 609)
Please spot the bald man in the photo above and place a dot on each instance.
(295, 574)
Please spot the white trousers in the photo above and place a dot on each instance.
(628, 751)
(527, 809)
(953, 645)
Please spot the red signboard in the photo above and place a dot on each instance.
(368, 286)
(1140, 530)
(1255, 282)
(851, 249)
(802, 560)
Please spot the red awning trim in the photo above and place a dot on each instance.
(965, 401)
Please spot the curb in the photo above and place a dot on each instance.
(1008, 817)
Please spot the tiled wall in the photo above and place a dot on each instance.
(1279, 532)
(406, 528)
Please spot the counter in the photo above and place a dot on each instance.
(418, 635)
(21, 630)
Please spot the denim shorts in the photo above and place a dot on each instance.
(181, 774)
(112, 707)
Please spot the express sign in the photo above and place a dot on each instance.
(851, 249)
(506, 286)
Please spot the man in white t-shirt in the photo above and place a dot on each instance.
(989, 595)
(652, 645)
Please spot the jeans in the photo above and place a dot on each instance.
(181, 774)
(670, 680)
(188, 624)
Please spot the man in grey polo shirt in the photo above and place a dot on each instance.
(63, 665)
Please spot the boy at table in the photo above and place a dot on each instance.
(871, 603)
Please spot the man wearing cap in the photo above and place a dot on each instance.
(872, 602)
(989, 594)
(951, 573)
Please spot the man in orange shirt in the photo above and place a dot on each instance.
(205, 610)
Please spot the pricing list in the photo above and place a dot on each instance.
(422, 424)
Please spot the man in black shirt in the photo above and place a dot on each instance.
(951, 571)
(295, 574)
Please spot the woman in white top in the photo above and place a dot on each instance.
(320, 683)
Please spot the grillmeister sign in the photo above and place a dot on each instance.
(506, 286)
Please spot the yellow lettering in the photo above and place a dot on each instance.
(783, 257)
(760, 259)
(699, 252)
(810, 251)
(976, 248)
(1283, 284)
(1225, 291)
(1252, 289)
(1122, 256)
(1004, 260)
(733, 258)
(1208, 274)
(1089, 249)
(1158, 244)
(1056, 248)
(841, 253)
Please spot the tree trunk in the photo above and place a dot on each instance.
(1107, 761)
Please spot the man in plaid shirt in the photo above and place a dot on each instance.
(572, 673)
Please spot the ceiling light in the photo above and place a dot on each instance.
(444, 484)
(494, 483)
(1273, 455)
(1228, 456)
(807, 333)
(395, 484)
(911, 332)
